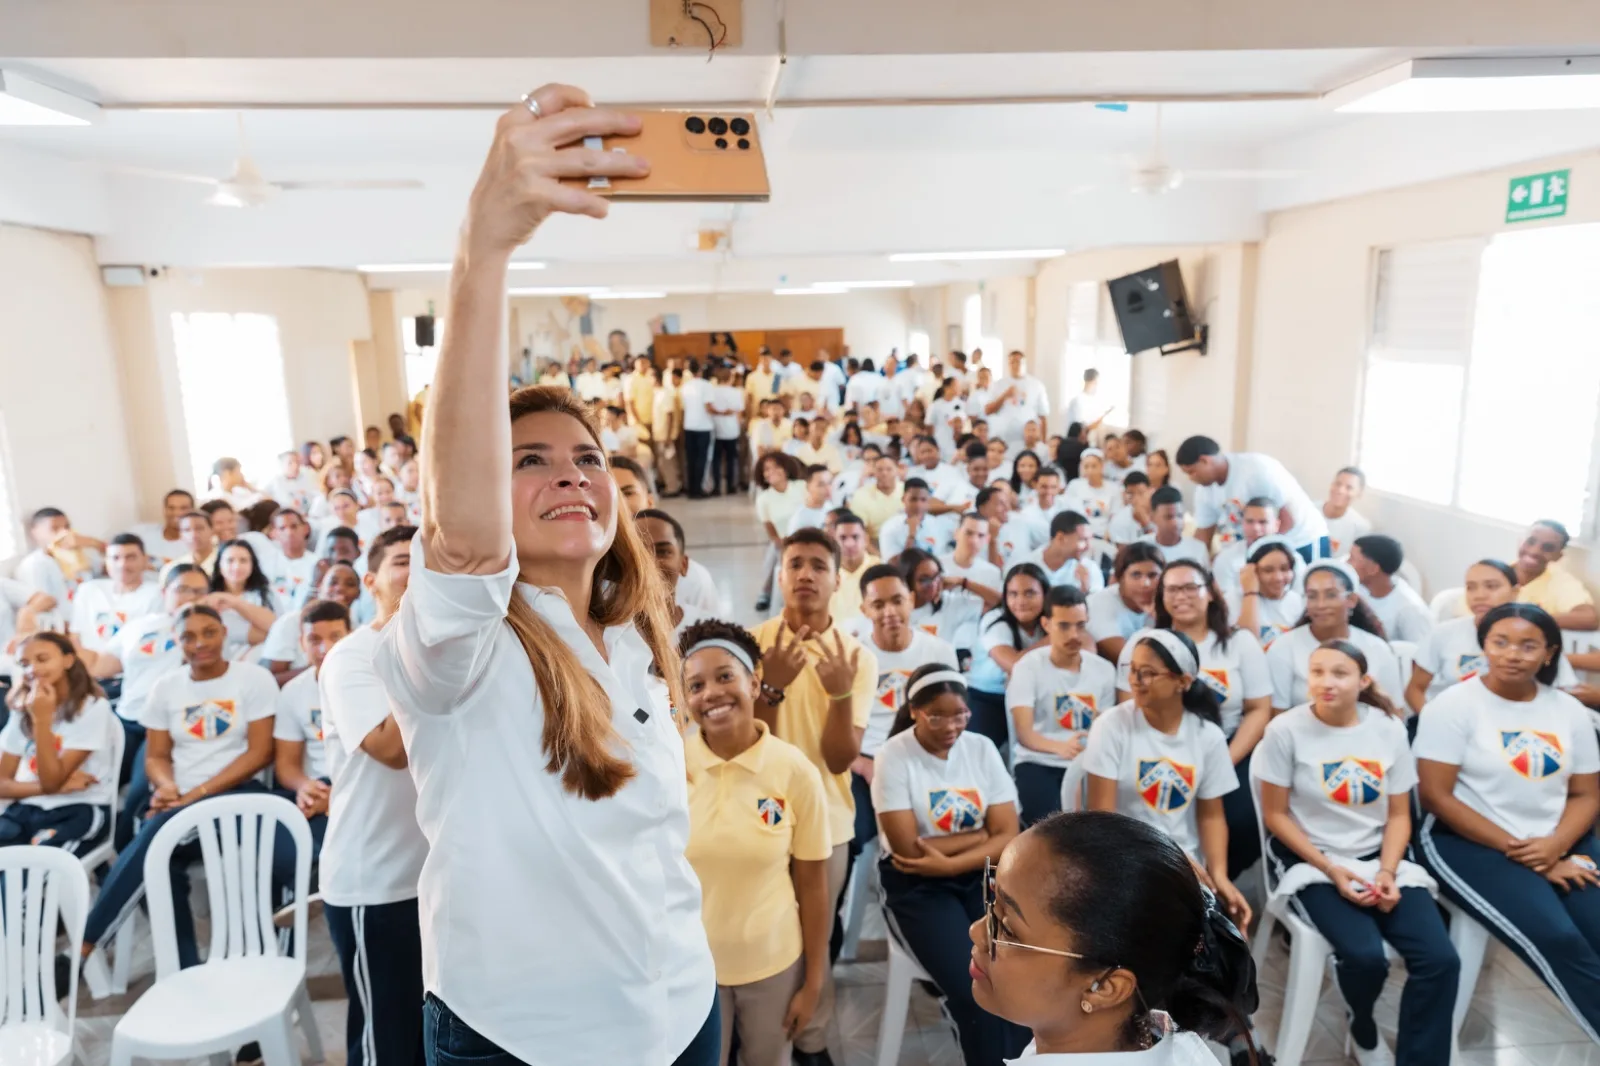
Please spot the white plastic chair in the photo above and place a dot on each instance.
(904, 969)
(1405, 654)
(42, 887)
(862, 881)
(244, 991)
(1451, 603)
(1074, 785)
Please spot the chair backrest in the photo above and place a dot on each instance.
(236, 835)
(41, 890)
(1405, 653)
(119, 744)
(1451, 603)
(1269, 873)
(1072, 785)
(1409, 573)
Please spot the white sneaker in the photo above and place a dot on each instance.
(1378, 1056)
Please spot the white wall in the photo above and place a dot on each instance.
(62, 410)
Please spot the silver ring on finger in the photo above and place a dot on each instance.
(532, 104)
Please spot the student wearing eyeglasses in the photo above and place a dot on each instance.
(946, 806)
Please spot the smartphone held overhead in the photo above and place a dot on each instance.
(695, 156)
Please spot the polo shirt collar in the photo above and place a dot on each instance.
(752, 759)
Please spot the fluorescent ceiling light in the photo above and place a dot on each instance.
(863, 284)
(429, 268)
(810, 292)
(25, 102)
(630, 296)
(560, 290)
(1534, 84)
(957, 257)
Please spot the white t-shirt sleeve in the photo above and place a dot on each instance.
(1445, 731)
(1280, 673)
(1402, 775)
(1103, 755)
(283, 640)
(1022, 688)
(998, 785)
(1254, 679)
(1273, 761)
(351, 694)
(1430, 653)
(891, 783)
(1217, 775)
(1103, 621)
(259, 692)
(1585, 745)
(286, 725)
(1206, 511)
(157, 712)
(12, 742)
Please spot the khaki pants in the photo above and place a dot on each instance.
(669, 472)
(758, 1009)
(814, 1037)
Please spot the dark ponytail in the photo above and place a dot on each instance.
(1198, 699)
(902, 717)
(1371, 694)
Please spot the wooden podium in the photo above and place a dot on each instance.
(806, 344)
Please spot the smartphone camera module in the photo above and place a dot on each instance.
(718, 126)
(740, 127)
(695, 124)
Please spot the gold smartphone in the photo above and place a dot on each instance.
(698, 156)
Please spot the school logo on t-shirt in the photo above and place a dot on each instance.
(1215, 680)
(770, 810)
(208, 719)
(892, 689)
(1166, 786)
(1532, 754)
(1469, 665)
(1353, 782)
(316, 723)
(1270, 633)
(1075, 710)
(288, 587)
(955, 810)
(1232, 523)
(930, 628)
(33, 754)
(156, 643)
(107, 623)
(1094, 508)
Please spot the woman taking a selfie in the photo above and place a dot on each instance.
(560, 919)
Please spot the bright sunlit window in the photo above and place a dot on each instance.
(919, 346)
(230, 371)
(972, 322)
(1093, 340)
(420, 362)
(1475, 345)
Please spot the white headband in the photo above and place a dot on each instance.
(728, 646)
(1187, 664)
(1096, 452)
(938, 677)
(1271, 540)
(1338, 566)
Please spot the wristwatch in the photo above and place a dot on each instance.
(773, 696)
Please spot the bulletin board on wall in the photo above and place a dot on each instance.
(806, 344)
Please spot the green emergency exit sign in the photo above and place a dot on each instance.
(1537, 196)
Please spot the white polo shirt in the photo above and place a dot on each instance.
(543, 911)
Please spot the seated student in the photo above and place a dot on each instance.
(293, 486)
(369, 522)
(228, 482)
(1509, 778)
(664, 536)
(1024, 475)
(345, 513)
(1345, 523)
(913, 526)
(55, 751)
(292, 565)
(1157, 465)
(230, 524)
(1091, 495)
(1234, 669)
(813, 510)
(634, 486)
(818, 450)
(858, 466)
(1134, 521)
(1166, 513)
(961, 494)
(880, 499)
(242, 594)
(1100, 939)
(1065, 558)
(1376, 559)
(969, 557)
(780, 479)
(366, 475)
(1121, 609)
(282, 652)
(1333, 612)
(162, 541)
(927, 465)
(800, 436)
(409, 491)
(1054, 694)
(946, 809)
(850, 533)
(392, 514)
(1451, 654)
(208, 733)
(103, 605)
(1161, 757)
(1046, 503)
(900, 648)
(334, 479)
(1336, 778)
(949, 606)
(1011, 538)
(1005, 633)
(999, 465)
(62, 558)
(1259, 519)
(1551, 586)
(1120, 462)
(759, 843)
(1267, 603)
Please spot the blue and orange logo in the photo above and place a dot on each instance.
(770, 810)
(316, 723)
(1270, 633)
(107, 623)
(1469, 666)
(209, 719)
(1215, 680)
(1532, 754)
(155, 644)
(1164, 785)
(1075, 710)
(955, 810)
(33, 754)
(1353, 782)
(892, 688)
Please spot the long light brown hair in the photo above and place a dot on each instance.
(579, 740)
(81, 685)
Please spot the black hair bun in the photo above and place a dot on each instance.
(1217, 991)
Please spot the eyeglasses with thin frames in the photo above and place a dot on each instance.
(992, 920)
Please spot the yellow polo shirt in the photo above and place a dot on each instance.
(846, 603)
(1556, 590)
(642, 392)
(748, 817)
(876, 506)
(758, 385)
(804, 711)
(827, 455)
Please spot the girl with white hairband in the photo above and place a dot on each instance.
(758, 840)
(946, 807)
(1266, 601)
(1092, 494)
(1334, 611)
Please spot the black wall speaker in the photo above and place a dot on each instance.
(1152, 308)
(424, 331)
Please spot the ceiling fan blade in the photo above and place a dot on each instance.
(405, 183)
(165, 175)
(1245, 174)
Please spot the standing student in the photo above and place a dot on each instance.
(758, 841)
(699, 426)
(1509, 778)
(727, 410)
(949, 607)
(780, 479)
(1013, 628)
(946, 808)
(666, 430)
(1267, 602)
(663, 534)
(102, 606)
(1054, 694)
(1333, 612)
(818, 684)
(1091, 495)
(372, 849)
(1157, 466)
(1166, 512)
(1336, 777)
(1088, 408)
(516, 667)
(1121, 609)
(55, 751)
(1161, 757)
(1345, 523)
(208, 732)
(1376, 559)
(1228, 479)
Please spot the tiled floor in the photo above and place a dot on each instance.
(1514, 1021)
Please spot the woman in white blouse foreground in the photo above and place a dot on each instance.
(560, 919)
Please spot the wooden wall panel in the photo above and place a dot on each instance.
(806, 344)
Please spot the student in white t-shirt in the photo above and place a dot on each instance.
(242, 593)
(1267, 602)
(946, 808)
(969, 557)
(946, 606)
(1005, 633)
(1509, 778)
(369, 522)
(1091, 494)
(1054, 694)
(208, 733)
(1345, 523)
(1121, 609)
(103, 605)
(1166, 512)
(22, 611)
(372, 849)
(162, 540)
(292, 568)
(783, 491)
(293, 487)
(1047, 502)
(1333, 612)
(1162, 758)
(55, 751)
(914, 526)
(282, 652)
(1134, 520)
(61, 560)
(1228, 480)
(813, 511)
(1336, 776)
(1376, 559)
(1066, 557)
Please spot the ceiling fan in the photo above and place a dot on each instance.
(248, 187)
(1154, 175)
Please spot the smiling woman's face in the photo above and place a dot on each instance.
(563, 499)
(721, 693)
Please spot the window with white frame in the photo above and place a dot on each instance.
(1094, 342)
(1473, 344)
(230, 373)
(420, 362)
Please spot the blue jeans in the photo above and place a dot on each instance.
(449, 1041)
